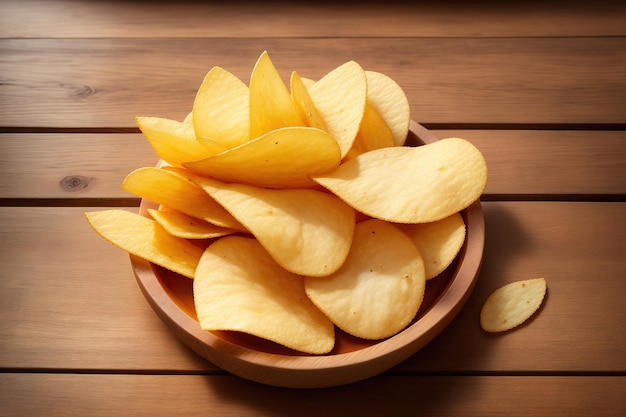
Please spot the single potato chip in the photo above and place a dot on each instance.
(221, 109)
(239, 287)
(181, 225)
(283, 158)
(308, 82)
(411, 184)
(439, 242)
(307, 232)
(271, 106)
(390, 101)
(175, 191)
(175, 142)
(379, 289)
(511, 305)
(304, 103)
(374, 133)
(340, 98)
(144, 238)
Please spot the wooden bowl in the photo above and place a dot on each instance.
(352, 359)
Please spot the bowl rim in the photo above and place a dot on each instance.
(295, 371)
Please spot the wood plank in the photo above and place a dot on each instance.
(532, 162)
(149, 395)
(104, 83)
(66, 18)
(51, 254)
(70, 165)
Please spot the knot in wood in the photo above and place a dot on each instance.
(74, 183)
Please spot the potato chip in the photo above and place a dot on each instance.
(239, 287)
(374, 133)
(181, 225)
(175, 142)
(271, 105)
(144, 238)
(308, 82)
(176, 191)
(304, 103)
(439, 242)
(511, 305)
(340, 98)
(307, 232)
(378, 290)
(283, 158)
(221, 109)
(389, 100)
(411, 184)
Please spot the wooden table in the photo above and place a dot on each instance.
(539, 88)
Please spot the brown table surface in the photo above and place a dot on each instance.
(538, 87)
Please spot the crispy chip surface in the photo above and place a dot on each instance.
(304, 103)
(511, 305)
(271, 105)
(238, 286)
(389, 100)
(221, 109)
(173, 141)
(182, 225)
(340, 98)
(411, 184)
(144, 238)
(439, 242)
(374, 133)
(307, 232)
(283, 158)
(378, 290)
(175, 191)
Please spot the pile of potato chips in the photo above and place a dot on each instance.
(297, 210)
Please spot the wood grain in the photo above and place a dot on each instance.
(71, 166)
(248, 19)
(520, 162)
(173, 395)
(103, 323)
(69, 83)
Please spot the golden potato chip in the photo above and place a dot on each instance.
(177, 192)
(378, 290)
(340, 98)
(214, 146)
(411, 184)
(374, 133)
(271, 105)
(282, 158)
(511, 305)
(221, 109)
(307, 232)
(181, 225)
(173, 141)
(308, 82)
(144, 238)
(189, 118)
(304, 103)
(439, 242)
(389, 100)
(239, 287)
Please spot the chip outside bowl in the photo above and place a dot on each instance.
(352, 360)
